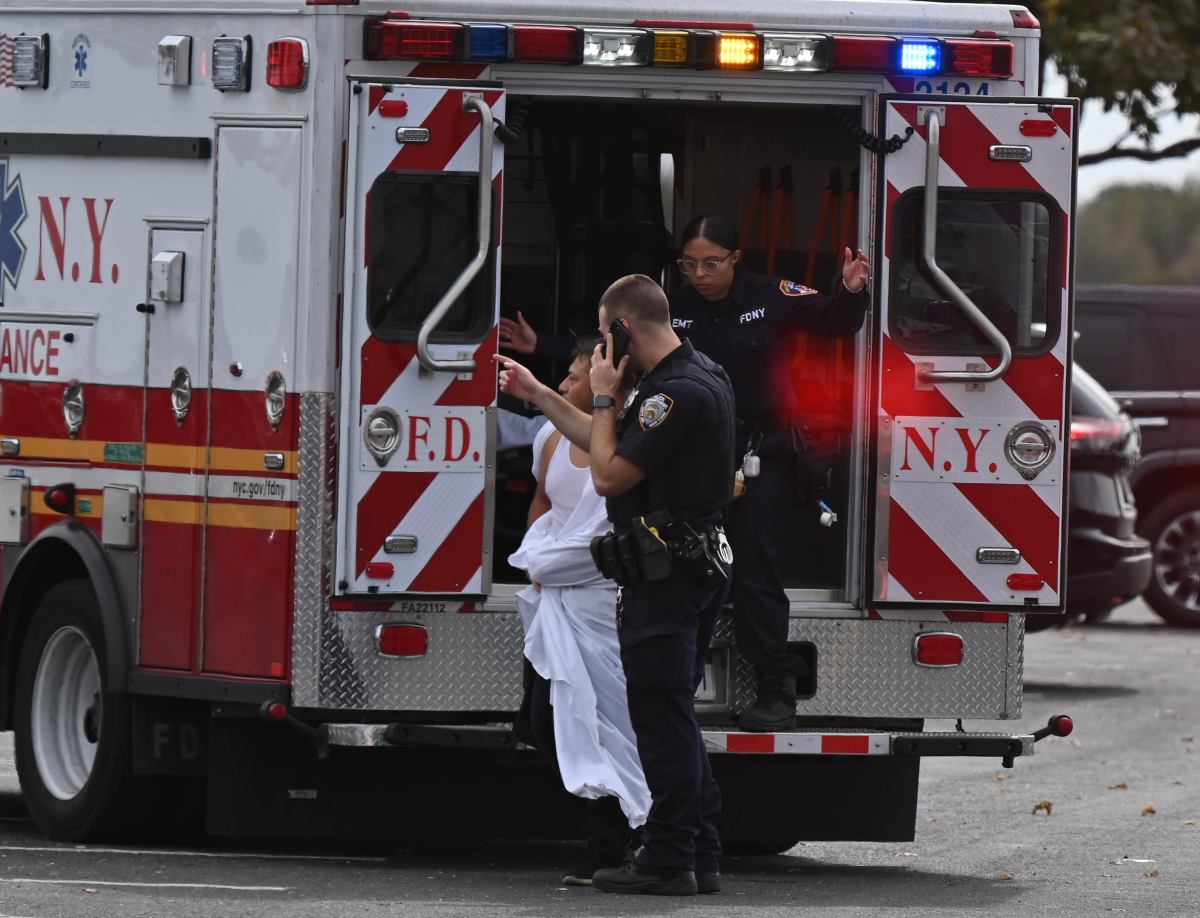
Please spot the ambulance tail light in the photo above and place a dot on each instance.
(938, 648)
(1023, 19)
(389, 40)
(487, 41)
(795, 53)
(920, 56)
(547, 44)
(231, 64)
(287, 64)
(963, 57)
(31, 61)
(864, 55)
(616, 47)
(402, 640)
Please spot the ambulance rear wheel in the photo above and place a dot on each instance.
(73, 737)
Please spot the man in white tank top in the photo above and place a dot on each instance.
(579, 710)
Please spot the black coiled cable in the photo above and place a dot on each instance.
(870, 141)
(511, 132)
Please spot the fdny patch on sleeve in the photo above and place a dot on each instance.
(654, 411)
(791, 288)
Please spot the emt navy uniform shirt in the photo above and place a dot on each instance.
(741, 331)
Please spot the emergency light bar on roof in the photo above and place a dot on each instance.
(722, 46)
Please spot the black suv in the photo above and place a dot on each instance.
(1140, 342)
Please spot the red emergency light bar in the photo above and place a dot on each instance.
(963, 57)
(547, 44)
(385, 40)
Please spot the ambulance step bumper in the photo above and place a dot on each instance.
(500, 736)
(998, 745)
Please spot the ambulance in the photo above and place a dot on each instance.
(254, 511)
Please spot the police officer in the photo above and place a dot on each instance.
(736, 318)
(670, 449)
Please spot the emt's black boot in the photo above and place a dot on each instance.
(646, 881)
(774, 706)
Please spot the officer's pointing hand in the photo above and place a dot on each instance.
(605, 378)
(516, 380)
(855, 271)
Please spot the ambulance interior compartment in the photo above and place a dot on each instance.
(598, 190)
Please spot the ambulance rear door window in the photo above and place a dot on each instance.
(1002, 250)
(422, 231)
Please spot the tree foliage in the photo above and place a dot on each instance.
(1135, 56)
(1140, 234)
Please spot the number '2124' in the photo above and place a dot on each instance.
(944, 89)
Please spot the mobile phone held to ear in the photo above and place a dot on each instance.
(621, 339)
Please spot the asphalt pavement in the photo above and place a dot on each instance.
(1106, 821)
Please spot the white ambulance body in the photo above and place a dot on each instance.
(253, 509)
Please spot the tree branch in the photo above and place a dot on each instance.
(1116, 151)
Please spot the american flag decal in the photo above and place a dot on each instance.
(6, 62)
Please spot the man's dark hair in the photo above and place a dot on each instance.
(584, 346)
(713, 227)
(637, 297)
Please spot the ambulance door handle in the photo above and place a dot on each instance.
(942, 280)
(471, 102)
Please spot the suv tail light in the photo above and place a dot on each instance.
(1095, 435)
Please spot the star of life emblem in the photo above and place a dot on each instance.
(12, 215)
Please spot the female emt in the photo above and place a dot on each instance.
(736, 318)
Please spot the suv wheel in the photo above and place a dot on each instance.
(1173, 528)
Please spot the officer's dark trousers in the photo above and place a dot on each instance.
(757, 526)
(665, 627)
(608, 829)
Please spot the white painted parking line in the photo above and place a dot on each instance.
(16, 880)
(259, 855)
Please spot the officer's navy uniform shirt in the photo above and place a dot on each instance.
(741, 331)
(678, 429)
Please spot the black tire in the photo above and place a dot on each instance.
(70, 798)
(1173, 529)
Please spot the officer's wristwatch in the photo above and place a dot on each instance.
(603, 401)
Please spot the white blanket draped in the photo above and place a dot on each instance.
(571, 640)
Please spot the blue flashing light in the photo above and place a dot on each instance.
(920, 56)
(487, 42)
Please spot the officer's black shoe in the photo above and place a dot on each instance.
(774, 706)
(708, 882)
(646, 881)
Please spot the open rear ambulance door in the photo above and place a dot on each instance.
(971, 379)
(418, 393)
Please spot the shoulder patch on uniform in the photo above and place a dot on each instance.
(654, 410)
(791, 288)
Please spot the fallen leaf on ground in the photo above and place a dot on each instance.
(1006, 876)
(1044, 806)
(1121, 786)
(89, 889)
(1148, 810)
(1191, 822)
(1126, 859)
(1150, 873)
(1003, 777)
